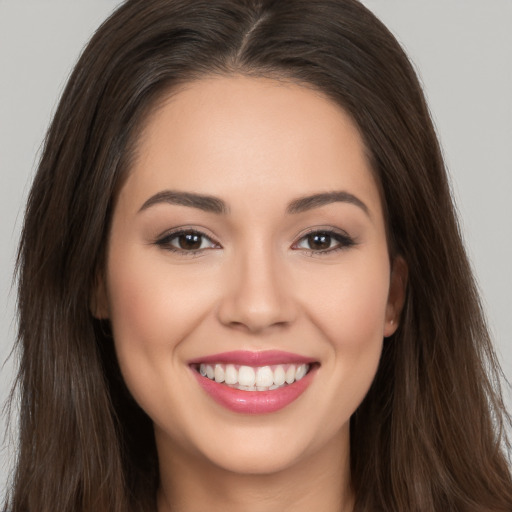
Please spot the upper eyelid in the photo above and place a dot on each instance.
(164, 242)
(186, 229)
(324, 229)
(335, 233)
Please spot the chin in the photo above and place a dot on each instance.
(257, 460)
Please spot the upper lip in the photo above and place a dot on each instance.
(253, 358)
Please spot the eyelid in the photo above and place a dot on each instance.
(345, 241)
(164, 240)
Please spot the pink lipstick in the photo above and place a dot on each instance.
(254, 382)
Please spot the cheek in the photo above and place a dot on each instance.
(150, 303)
(349, 309)
(348, 302)
(151, 311)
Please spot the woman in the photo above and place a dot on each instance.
(241, 279)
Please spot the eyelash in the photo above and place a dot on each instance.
(343, 240)
(166, 242)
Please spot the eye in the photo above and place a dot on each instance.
(189, 241)
(324, 242)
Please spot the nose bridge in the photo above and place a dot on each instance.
(256, 295)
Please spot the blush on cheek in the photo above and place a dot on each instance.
(360, 315)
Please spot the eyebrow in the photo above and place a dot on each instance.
(206, 203)
(306, 203)
(215, 205)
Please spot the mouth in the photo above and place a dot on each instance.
(254, 382)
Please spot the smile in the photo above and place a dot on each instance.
(254, 382)
(248, 378)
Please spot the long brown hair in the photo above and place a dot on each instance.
(430, 434)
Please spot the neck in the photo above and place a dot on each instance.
(318, 482)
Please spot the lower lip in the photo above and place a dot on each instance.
(254, 402)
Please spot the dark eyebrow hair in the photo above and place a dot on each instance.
(303, 204)
(202, 202)
(215, 205)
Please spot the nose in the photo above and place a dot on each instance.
(258, 293)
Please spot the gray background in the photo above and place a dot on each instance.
(462, 50)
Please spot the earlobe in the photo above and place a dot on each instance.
(396, 297)
(98, 303)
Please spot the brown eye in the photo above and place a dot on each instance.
(189, 241)
(319, 241)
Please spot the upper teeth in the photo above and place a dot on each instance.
(251, 378)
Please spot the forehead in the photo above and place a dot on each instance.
(232, 136)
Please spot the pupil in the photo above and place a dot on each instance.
(190, 241)
(319, 241)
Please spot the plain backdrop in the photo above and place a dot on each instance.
(462, 50)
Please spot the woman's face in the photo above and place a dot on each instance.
(248, 244)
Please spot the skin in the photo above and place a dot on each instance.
(258, 145)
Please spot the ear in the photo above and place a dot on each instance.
(396, 297)
(98, 303)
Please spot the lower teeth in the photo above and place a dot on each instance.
(254, 388)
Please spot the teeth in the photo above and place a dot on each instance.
(265, 377)
(301, 371)
(231, 374)
(248, 378)
(219, 373)
(279, 376)
(290, 374)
